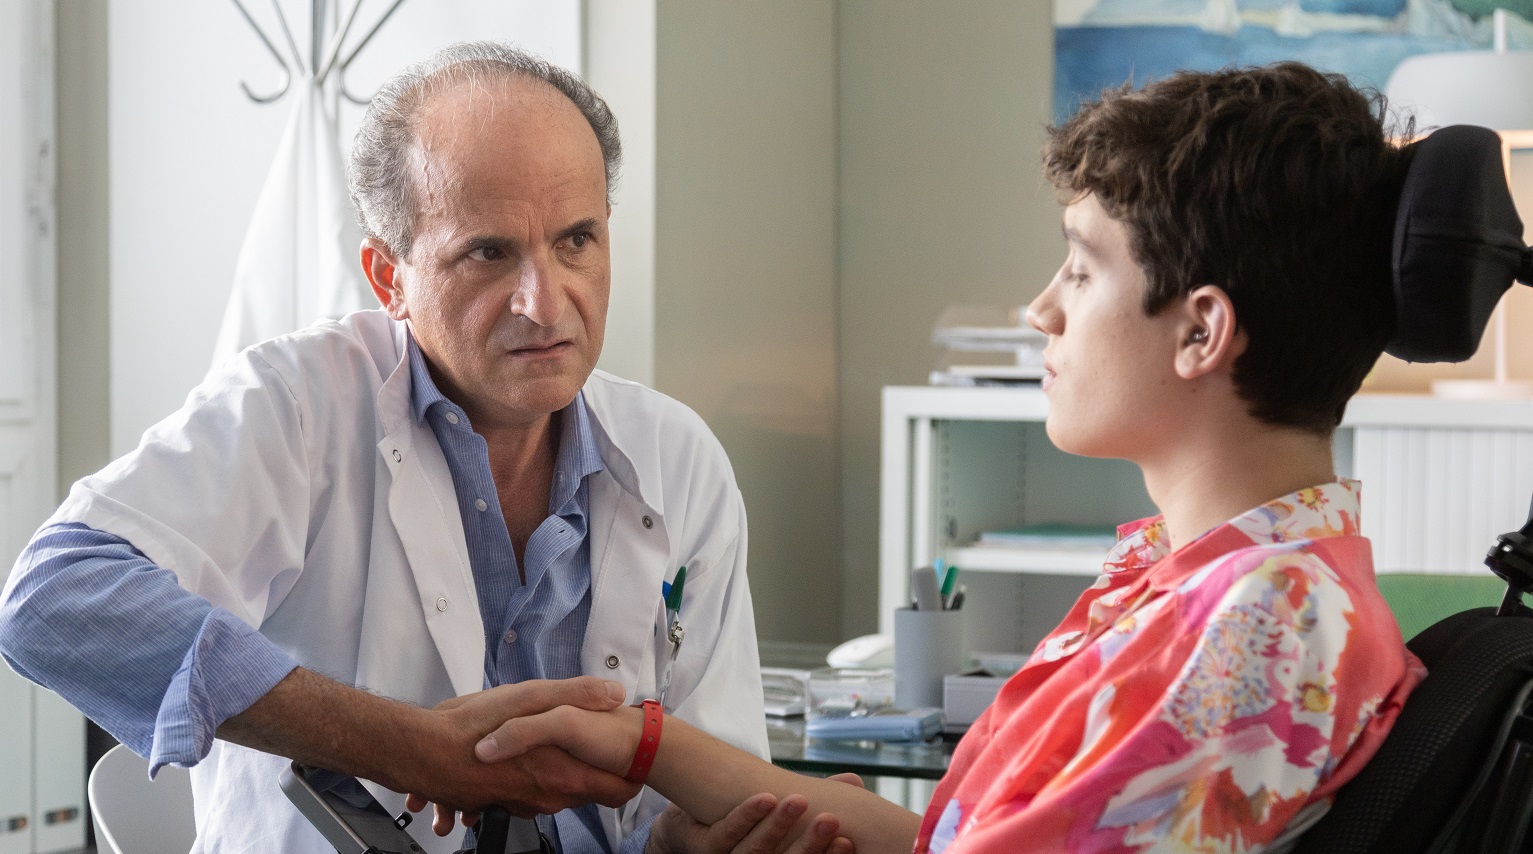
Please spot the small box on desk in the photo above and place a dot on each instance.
(965, 696)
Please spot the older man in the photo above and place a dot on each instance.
(422, 502)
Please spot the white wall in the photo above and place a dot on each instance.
(746, 277)
(188, 154)
(620, 64)
(941, 111)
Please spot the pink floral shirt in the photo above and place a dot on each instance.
(1200, 701)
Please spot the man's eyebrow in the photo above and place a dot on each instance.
(486, 241)
(587, 225)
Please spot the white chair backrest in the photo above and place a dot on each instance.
(135, 815)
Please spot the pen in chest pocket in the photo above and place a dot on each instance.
(670, 594)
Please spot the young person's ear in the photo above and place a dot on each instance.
(1210, 340)
(382, 271)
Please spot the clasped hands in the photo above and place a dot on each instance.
(493, 763)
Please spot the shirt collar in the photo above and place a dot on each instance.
(423, 390)
(578, 452)
(1326, 510)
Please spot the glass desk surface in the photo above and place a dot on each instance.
(791, 749)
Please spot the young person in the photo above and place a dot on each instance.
(1227, 286)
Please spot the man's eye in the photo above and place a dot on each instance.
(486, 253)
(579, 241)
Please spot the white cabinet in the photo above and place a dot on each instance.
(42, 770)
(15, 763)
(1440, 480)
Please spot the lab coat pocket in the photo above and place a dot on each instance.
(661, 645)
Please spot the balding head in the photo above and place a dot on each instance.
(381, 170)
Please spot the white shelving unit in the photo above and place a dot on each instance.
(1441, 479)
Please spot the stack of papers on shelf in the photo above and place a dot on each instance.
(985, 345)
(1052, 535)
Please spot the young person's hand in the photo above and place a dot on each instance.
(602, 739)
(760, 825)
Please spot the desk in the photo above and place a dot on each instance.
(793, 750)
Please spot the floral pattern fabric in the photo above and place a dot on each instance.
(1201, 701)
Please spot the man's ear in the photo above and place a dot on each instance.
(1210, 339)
(382, 271)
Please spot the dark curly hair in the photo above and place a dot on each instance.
(1278, 184)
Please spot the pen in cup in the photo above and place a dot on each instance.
(948, 580)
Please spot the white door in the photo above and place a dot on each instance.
(27, 443)
(42, 748)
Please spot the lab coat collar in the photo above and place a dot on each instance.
(394, 395)
(634, 465)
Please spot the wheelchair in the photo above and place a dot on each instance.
(1455, 775)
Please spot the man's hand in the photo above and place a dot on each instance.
(544, 780)
(760, 825)
(430, 752)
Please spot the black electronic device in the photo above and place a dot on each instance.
(355, 823)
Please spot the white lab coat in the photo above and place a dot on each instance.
(296, 490)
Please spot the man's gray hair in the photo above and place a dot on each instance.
(380, 175)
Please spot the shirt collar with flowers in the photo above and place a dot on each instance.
(1316, 512)
(1142, 565)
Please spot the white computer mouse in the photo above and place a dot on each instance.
(866, 651)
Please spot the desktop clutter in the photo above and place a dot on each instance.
(909, 687)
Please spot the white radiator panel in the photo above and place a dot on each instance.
(1434, 499)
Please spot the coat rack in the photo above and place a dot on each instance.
(324, 56)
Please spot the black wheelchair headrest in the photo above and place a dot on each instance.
(1458, 244)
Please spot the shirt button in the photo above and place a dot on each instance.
(441, 604)
(479, 503)
(612, 662)
(511, 636)
(452, 418)
(648, 522)
(398, 458)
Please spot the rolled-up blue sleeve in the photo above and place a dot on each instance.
(88, 616)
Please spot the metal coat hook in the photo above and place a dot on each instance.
(287, 73)
(323, 65)
(340, 68)
(287, 33)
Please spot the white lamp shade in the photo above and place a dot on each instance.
(1477, 87)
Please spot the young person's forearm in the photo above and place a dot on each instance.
(708, 778)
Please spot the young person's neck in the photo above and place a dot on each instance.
(1204, 483)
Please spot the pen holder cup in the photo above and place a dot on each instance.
(928, 645)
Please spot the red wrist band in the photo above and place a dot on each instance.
(649, 742)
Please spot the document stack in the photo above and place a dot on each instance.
(986, 345)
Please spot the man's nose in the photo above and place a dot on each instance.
(536, 296)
